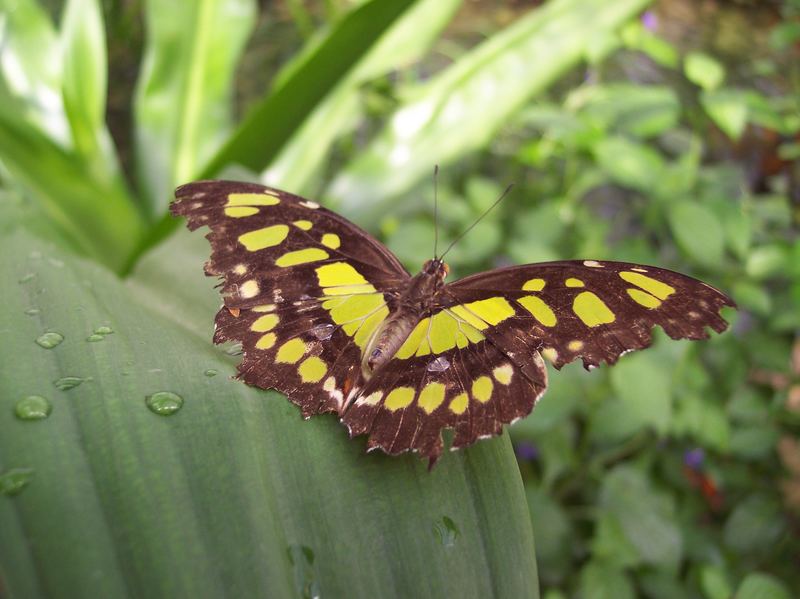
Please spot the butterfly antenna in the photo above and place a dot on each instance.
(479, 219)
(435, 210)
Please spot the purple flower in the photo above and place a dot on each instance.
(527, 451)
(649, 20)
(694, 458)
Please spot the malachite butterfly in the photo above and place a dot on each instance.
(328, 316)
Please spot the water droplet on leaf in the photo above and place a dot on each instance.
(27, 277)
(33, 407)
(103, 330)
(32, 311)
(66, 383)
(94, 338)
(56, 262)
(302, 559)
(210, 372)
(14, 480)
(234, 350)
(49, 340)
(164, 403)
(447, 531)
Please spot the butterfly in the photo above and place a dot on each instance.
(329, 317)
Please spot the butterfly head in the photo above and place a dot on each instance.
(436, 268)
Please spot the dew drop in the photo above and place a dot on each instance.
(164, 403)
(210, 372)
(13, 481)
(65, 383)
(323, 331)
(35, 255)
(447, 531)
(440, 364)
(27, 277)
(103, 330)
(301, 557)
(32, 311)
(95, 338)
(33, 407)
(49, 340)
(56, 262)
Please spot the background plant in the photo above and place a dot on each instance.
(655, 478)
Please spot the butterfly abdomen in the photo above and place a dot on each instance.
(387, 339)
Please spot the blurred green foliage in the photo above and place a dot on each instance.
(675, 473)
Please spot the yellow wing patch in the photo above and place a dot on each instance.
(540, 310)
(264, 238)
(340, 278)
(399, 397)
(643, 298)
(660, 290)
(311, 370)
(291, 351)
(302, 257)
(252, 199)
(431, 397)
(592, 310)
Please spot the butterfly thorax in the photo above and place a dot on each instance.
(415, 302)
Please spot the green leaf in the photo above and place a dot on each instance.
(629, 163)
(84, 81)
(697, 232)
(637, 37)
(728, 109)
(767, 261)
(404, 42)
(97, 215)
(704, 70)
(762, 586)
(31, 67)
(601, 581)
(233, 495)
(640, 111)
(645, 517)
(714, 582)
(272, 122)
(182, 103)
(754, 525)
(642, 381)
(448, 117)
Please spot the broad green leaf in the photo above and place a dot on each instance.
(84, 75)
(554, 534)
(405, 41)
(705, 421)
(97, 215)
(182, 103)
(703, 70)
(762, 586)
(767, 261)
(461, 109)
(233, 495)
(697, 232)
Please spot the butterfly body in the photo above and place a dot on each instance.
(416, 302)
(329, 317)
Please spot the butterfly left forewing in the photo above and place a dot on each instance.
(302, 287)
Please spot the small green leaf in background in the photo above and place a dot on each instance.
(728, 109)
(697, 232)
(601, 581)
(762, 586)
(645, 516)
(704, 70)
(643, 384)
(630, 164)
(714, 582)
(754, 525)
